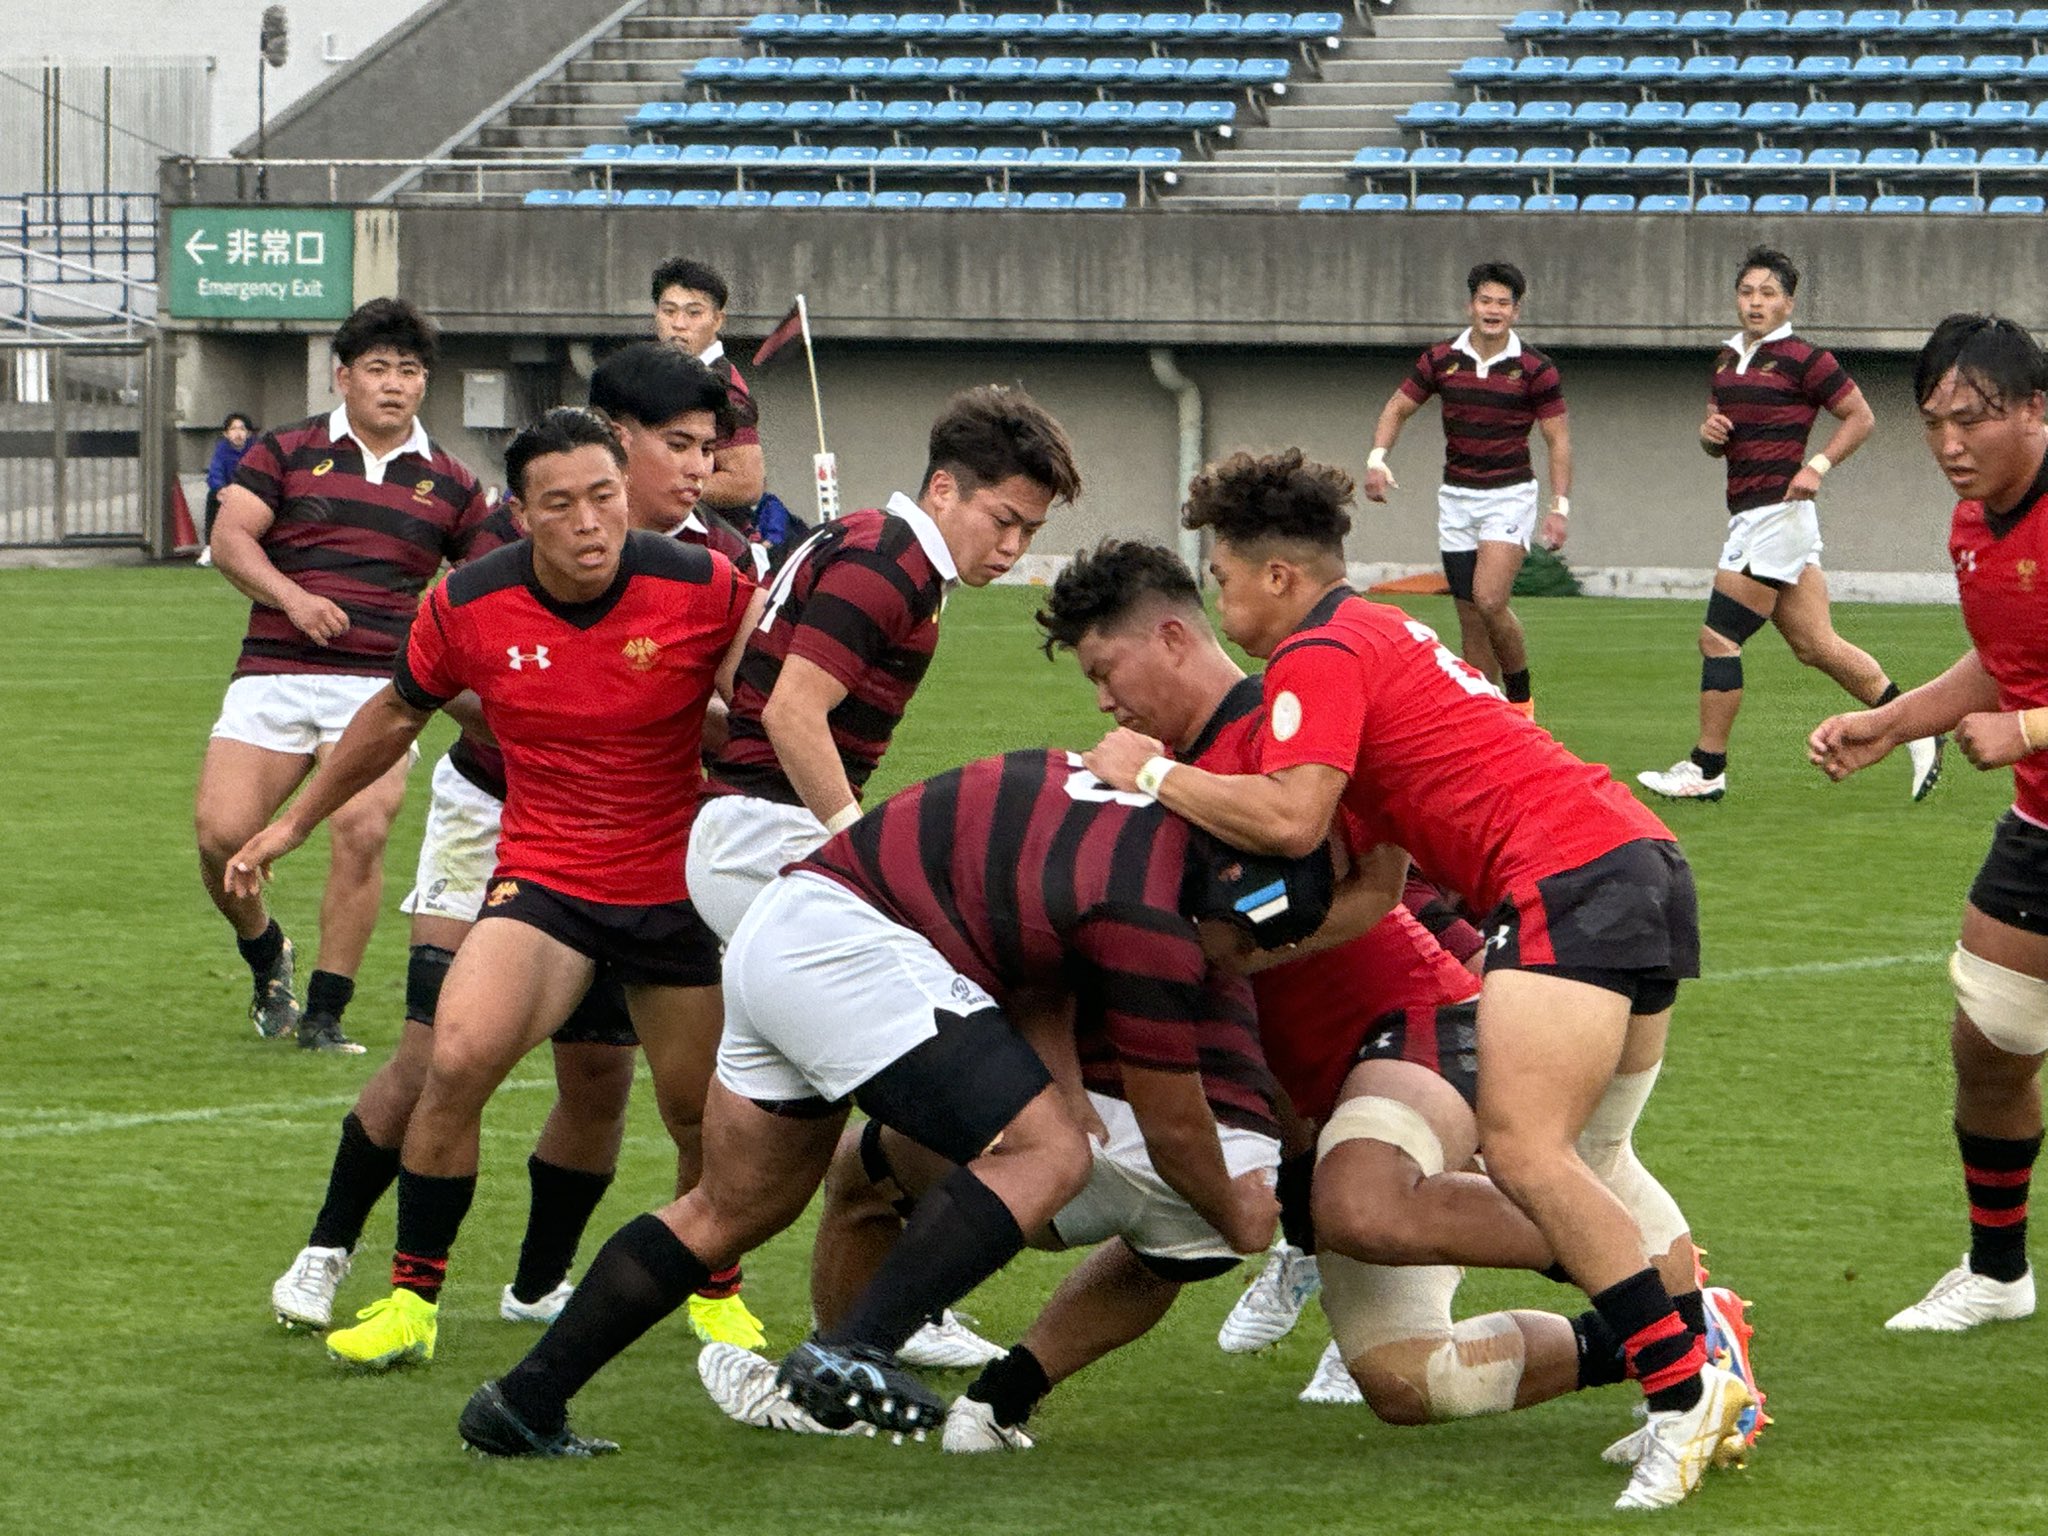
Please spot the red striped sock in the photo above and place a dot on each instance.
(1997, 1176)
(423, 1277)
(1662, 1353)
(723, 1283)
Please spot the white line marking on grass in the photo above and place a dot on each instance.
(95, 1124)
(1827, 967)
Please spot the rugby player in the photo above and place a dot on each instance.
(332, 527)
(1593, 920)
(1980, 382)
(645, 389)
(1769, 384)
(876, 971)
(689, 312)
(593, 651)
(1493, 387)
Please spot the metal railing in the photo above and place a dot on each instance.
(70, 259)
(78, 463)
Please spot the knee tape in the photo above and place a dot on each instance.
(1607, 1149)
(1732, 620)
(2009, 1008)
(1373, 1305)
(1720, 674)
(1460, 566)
(1388, 1120)
(1477, 1370)
(425, 969)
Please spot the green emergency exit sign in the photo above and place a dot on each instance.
(262, 263)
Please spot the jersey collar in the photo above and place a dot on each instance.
(712, 353)
(1245, 695)
(2002, 523)
(1508, 353)
(374, 465)
(1744, 353)
(588, 612)
(928, 536)
(1326, 609)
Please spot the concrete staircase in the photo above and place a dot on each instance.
(1367, 83)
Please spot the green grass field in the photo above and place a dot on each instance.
(159, 1164)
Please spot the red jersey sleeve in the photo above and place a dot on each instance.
(1826, 381)
(1315, 706)
(1421, 381)
(428, 673)
(864, 605)
(261, 472)
(1546, 392)
(1148, 982)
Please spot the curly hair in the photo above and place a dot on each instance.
(1247, 498)
(1101, 587)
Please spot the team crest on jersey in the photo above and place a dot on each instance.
(2026, 569)
(1768, 365)
(519, 660)
(501, 893)
(322, 467)
(641, 652)
(1514, 372)
(1451, 366)
(424, 491)
(1286, 715)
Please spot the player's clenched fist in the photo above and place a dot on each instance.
(1991, 739)
(1842, 744)
(317, 618)
(1119, 756)
(1715, 429)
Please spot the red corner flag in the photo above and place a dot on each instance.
(792, 326)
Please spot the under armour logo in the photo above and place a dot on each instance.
(1966, 562)
(538, 656)
(1384, 1040)
(1498, 939)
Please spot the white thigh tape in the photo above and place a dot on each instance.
(1388, 1120)
(2009, 1008)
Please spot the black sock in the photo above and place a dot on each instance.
(1663, 1354)
(560, 1208)
(430, 1212)
(1602, 1362)
(1558, 1273)
(328, 993)
(262, 951)
(1297, 1217)
(1712, 764)
(959, 1234)
(641, 1274)
(362, 1172)
(1997, 1173)
(1014, 1385)
(1692, 1311)
(1516, 685)
(1891, 691)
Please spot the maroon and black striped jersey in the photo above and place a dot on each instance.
(1772, 394)
(860, 599)
(1027, 872)
(746, 431)
(370, 546)
(1488, 408)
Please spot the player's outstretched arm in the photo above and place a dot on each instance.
(1385, 433)
(1845, 744)
(1180, 1137)
(375, 740)
(1285, 813)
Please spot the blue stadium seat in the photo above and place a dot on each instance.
(710, 71)
(1114, 71)
(1656, 116)
(1260, 74)
(1715, 159)
(1871, 25)
(1811, 25)
(1210, 25)
(1834, 158)
(1761, 69)
(695, 197)
(902, 115)
(1056, 69)
(1531, 114)
(896, 200)
(758, 114)
(1935, 68)
(1942, 115)
(1854, 202)
(659, 114)
(1713, 115)
(1119, 24)
(1927, 23)
(2033, 23)
(1439, 202)
(1723, 202)
(756, 71)
(955, 114)
(1592, 23)
(1545, 157)
(1996, 116)
(750, 154)
(1435, 157)
(1991, 68)
(1052, 115)
(709, 113)
(998, 200)
(1650, 68)
(1012, 25)
(895, 156)
(856, 113)
(1596, 115)
(1698, 24)
(968, 26)
(1164, 26)
(1604, 159)
(1161, 72)
(646, 197)
(1323, 202)
(1596, 69)
(2040, 113)
(1708, 69)
(796, 199)
(1103, 116)
(852, 156)
(1212, 72)
(1054, 201)
(1607, 202)
(808, 114)
(946, 200)
(1946, 157)
(1217, 115)
(820, 24)
(1151, 157)
(1494, 202)
(2010, 157)
(1751, 25)
(1765, 116)
(1490, 157)
(2030, 206)
(1896, 203)
(659, 154)
(1781, 202)
(1550, 202)
(1541, 69)
(1821, 69)
(912, 69)
(1657, 160)
(1006, 114)
(847, 200)
(1875, 116)
(1010, 69)
(1001, 156)
(1309, 26)
(1158, 114)
(1772, 158)
(1827, 116)
(1878, 69)
(1483, 70)
(1665, 202)
(952, 157)
(1533, 24)
(776, 24)
(548, 197)
(1099, 157)
(1887, 160)
(801, 156)
(866, 26)
(1054, 157)
(1259, 25)
(1380, 202)
(1430, 114)
(1647, 24)
(1977, 23)
(752, 198)
(703, 154)
(1378, 157)
(916, 26)
(1956, 205)
(606, 154)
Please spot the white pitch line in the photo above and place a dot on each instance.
(95, 1124)
(1827, 967)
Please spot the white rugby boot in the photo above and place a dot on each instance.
(949, 1345)
(742, 1383)
(1925, 755)
(1332, 1382)
(1683, 780)
(971, 1427)
(545, 1310)
(1271, 1305)
(303, 1296)
(1679, 1446)
(1962, 1299)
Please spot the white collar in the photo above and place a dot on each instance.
(374, 465)
(691, 524)
(1744, 351)
(928, 535)
(712, 353)
(1464, 344)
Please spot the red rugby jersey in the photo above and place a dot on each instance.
(1484, 799)
(2002, 575)
(1488, 408)
(1772, 395)
(861, 599)
(369, 547)
(1027, 871)
(1315, 1012)
(598, 707)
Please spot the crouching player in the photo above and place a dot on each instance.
(875, 972)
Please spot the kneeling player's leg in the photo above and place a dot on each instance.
(1737, 608)
(1493, 583)
(1382, 1193)
(876, 1180)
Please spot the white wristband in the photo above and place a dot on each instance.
(1820, 463)
(1562, 506)
(1153, 774)
(843, 818)
(1377, 459)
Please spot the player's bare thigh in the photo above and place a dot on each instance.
(363, 824)
(509, 988)
(1548, 1047)
(678, 1029)
(1978, 1061)
(1493, 579)
(1758, 597)
(1362, 1183)
(241, 786)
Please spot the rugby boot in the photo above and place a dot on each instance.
(828, 1380)
(948, 1344)
(545, 1310)
(1332, 1382)
(274, 1009)
(1680, 1444)
(742, 1383)
(1925, 755)
(1683, 780)
(322, 1032)
(1271, 1305)
(1729, 1332)
(725, 1320)
(489, 1427)
(1962, 1299)
(971, 1427)
(303, 1296)
(399, 1330)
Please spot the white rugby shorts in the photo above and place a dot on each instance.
(1467, 518)
(294, 712)
(822, 992)
(1774, 543)
(1125, 1196)
(738, 844)
(459, 851)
